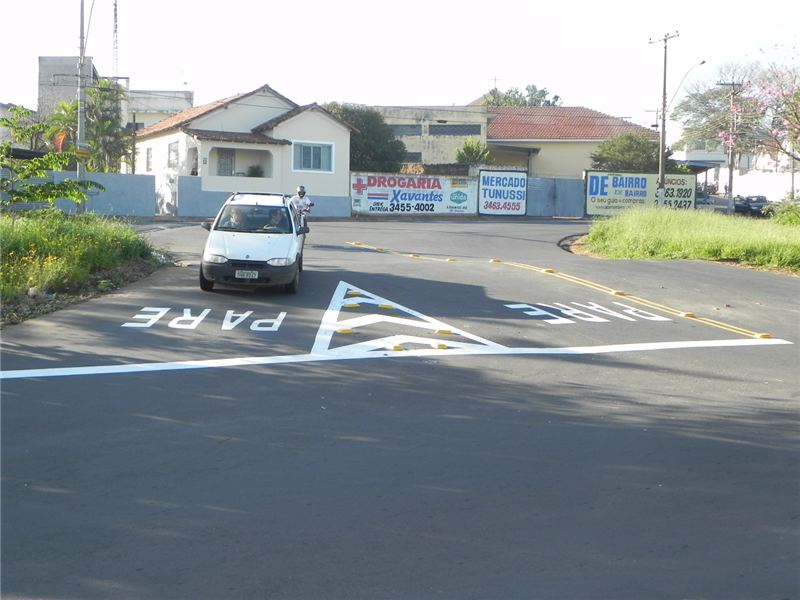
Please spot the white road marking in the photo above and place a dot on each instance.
(377, 348)
(347, 295)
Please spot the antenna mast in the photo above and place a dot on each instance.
(116, 45)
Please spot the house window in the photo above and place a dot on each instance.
(225, 162)
(413, 157)
(172, 155)
(313, 157)
(148, 161)
(399, 130)
(460, 129)
(696, 145)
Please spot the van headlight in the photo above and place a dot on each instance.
(280, 262)
(214, 258)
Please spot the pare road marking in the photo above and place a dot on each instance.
(443, 340)
(594, 286)
(150, 315)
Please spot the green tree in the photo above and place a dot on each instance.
(715, 114)
(532, 96)
(776, 91)
(26, 179)
(62, 129)
(108, 137)
(474, 153)
(631, 151)
(757, 109)
(374, 147)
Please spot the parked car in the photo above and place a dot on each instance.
(703, 198)
(750, 205)
(256, 240)
(710, 187)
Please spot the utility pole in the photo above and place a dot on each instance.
(81, 142)
(662, 146)
(731, 139)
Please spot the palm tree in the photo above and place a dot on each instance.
(108, 138)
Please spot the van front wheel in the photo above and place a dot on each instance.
(291, 287)
(205, 284)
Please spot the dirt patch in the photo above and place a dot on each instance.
(576, 245)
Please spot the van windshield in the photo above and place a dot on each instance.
(256, 219)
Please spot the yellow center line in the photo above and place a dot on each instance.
(595, 286)
(644, 302)
(406, 254)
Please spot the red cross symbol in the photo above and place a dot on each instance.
(359, 186)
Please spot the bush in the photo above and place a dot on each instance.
(53, 252)
(657, 233)
(785, 212)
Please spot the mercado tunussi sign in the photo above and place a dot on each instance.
(502, 192)
(607, 193)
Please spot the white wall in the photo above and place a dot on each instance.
(309, 127)
(244, 114)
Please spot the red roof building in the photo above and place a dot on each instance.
(552, 141)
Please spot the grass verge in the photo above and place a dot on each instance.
(653, 233)
(49, 260)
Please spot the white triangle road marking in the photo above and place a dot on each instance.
(349, 294)
(377, 348)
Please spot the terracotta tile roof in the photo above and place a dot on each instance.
(272, 123)
(185, 117)
(555, 123)
(232, 136)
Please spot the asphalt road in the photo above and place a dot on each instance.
(417, 422)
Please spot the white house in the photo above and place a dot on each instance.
(259, 141)
(148, 107)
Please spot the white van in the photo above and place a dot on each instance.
(256, 240)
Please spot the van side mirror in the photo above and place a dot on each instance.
(206, 225)
(302, 230)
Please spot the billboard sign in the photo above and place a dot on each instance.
(502, 193)
(374, 193)
(606, 193)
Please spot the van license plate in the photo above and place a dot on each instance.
(246, 274)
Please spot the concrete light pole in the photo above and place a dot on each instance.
(81, 141)
(731, 137)
(662, 142)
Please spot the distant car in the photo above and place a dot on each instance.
(710, 187)
(703, 198)
(750, 205)
(256, 240)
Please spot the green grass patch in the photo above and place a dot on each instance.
(52, 252)
(654, 233)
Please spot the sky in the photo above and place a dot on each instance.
(592, 53)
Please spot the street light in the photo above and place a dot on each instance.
(702, 62)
